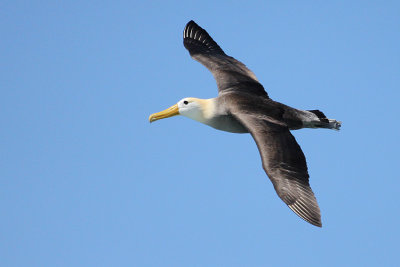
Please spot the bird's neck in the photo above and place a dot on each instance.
(208, 109)
(204, 112)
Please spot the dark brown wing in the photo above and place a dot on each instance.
(229, 73)
(282, 158)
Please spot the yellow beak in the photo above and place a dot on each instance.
(169, 112)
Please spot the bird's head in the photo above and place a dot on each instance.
(193, 108)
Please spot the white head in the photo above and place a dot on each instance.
(193, 108)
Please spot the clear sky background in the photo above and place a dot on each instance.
(85, 180)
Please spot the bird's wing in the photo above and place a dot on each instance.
(229, 73)
(282, 158)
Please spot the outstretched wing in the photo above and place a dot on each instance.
(282, 158)
(228, 72)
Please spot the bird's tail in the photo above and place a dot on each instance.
(324, 122)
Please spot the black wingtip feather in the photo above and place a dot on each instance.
(196, 40)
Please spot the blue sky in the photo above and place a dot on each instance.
(87, 181)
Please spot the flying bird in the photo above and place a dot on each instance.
(243, 106)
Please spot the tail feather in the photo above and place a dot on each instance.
(320, 115)
(322, 121)
(334, 124)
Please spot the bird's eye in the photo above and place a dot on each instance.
(185, 102)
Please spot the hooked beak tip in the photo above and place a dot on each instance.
(151, 118)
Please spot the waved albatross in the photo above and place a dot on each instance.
(243, 106)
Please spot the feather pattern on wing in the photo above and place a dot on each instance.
(282, 158)
(229, 73)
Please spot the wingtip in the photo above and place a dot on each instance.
(197, 40)
(319, 224)
(191, 23)
(312, 216)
